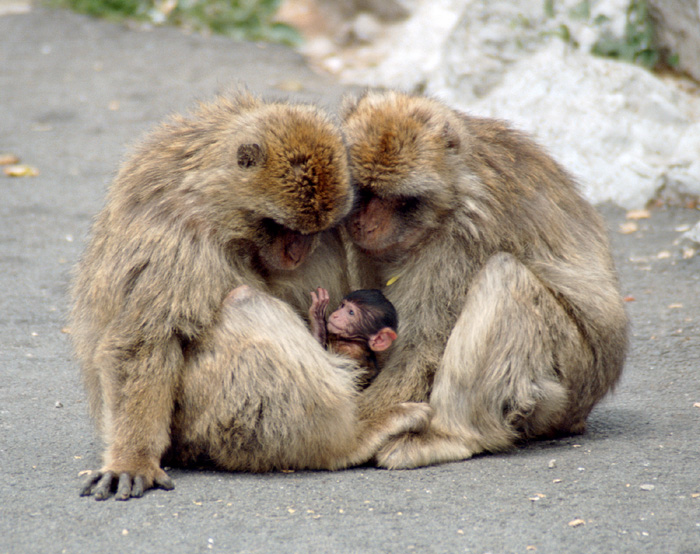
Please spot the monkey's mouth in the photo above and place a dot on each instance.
(296, 249)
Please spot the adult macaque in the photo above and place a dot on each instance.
(238, 192)
(512, 323)
(364, 324)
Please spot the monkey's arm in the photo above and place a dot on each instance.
(157, 304)
(419, 295)
(137, 417)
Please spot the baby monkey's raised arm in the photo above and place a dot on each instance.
(363, 324)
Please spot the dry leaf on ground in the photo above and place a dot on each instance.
(638, 214)
(628, 227)
(20, 170)
(8, 159)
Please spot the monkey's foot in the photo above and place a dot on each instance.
(412, 417)
(418, 450)
(102, 483)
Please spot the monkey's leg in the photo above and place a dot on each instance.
(372, 436)
(503, 373)
(139, 399)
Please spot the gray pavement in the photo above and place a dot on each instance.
(74, 92)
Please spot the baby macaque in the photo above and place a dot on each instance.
(365, 323)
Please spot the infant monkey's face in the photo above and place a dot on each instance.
(345, 321)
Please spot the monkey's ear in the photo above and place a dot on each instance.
(382, 339)
(451, 137)
(250, 155)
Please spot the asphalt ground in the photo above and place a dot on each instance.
(74, 92)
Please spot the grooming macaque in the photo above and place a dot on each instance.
(512, 322)
(238, 192)
(365, 323)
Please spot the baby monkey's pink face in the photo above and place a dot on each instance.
(345, 321)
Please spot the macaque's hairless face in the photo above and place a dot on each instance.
(362, 315)
(347, 321)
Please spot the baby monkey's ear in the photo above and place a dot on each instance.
(382, 339)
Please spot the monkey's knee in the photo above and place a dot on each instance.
(503, 272)
(239, 293)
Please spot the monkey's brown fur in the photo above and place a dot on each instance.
(511, 322)
(359, 351)
(238, 192)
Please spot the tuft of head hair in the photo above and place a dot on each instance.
(246, 155)
(305, 169)
(378, 312)
(393, 137)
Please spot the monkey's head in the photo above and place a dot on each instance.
(366, 315)
(404, 155)
(291, 179)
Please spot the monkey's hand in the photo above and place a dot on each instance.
(101, 483)
(317, 314)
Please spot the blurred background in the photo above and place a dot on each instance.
(610, 87)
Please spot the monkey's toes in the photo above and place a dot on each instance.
(89, 483)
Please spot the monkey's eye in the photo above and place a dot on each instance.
(351, 312)
(271, 227)
(362, 197)
(408, 205)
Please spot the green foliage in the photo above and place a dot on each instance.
(582, 10)
(637, 45)
(111, 9)
(549, 8)
(240, 19)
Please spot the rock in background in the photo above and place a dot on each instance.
(677, 25)
(629, 135)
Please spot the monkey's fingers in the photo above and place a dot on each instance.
(124, 487)
(88, 484)
(164, 482)
(134, 488)
(103, 488)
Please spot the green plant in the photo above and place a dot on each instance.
(111, 9)
(637, 45)
(240, 19)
